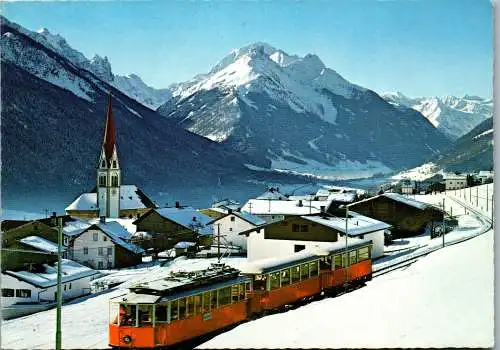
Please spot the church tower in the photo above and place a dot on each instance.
(108, 172)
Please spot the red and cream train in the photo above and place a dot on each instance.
(186, 305)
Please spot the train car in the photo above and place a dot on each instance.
(180, 307)
(280, 281)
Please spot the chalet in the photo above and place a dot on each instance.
(485, 176)
(231, 224)
(299, 232)
(407, 216)
(407, 186)
(168, 226)
(18, 253)
(110, 198)
(103, 245)
(34, 289)
(454, 182)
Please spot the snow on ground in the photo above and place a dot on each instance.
(85, 320)
(419, 173)
(443, 300)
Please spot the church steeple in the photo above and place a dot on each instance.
(108, 173)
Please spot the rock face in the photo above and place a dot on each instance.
(293, 113)
(453, 116)
(52, 130)
(471, 152)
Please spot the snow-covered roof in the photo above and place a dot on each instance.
(131, 197)
(227, 204)
(271, 264)
(189, 218)
(252, 219)
(70, 271)
(485, 173)
(41, 244)
(275, 195)
(344, 197)
(454, 177)
(407, 200)
(357, 224)
(283, 207)
(184, 245)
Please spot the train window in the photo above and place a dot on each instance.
(313, 268)
(174, 310)
(206, 302)
(213, 299)
(363, 254)
(295, 274)
(338, 261)
(145, 314)
(161, 313)
(224, 296)
(285, 277)
(197, 304)
(275, 280)
(304, 271)
(182, 308)
(127, 315)
(325, 263)
(260, 282)
(344, 260)
(190, 306)
(248, 287)
(242, 291)
(235, 293)
(352, 257)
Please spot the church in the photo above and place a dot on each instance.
(110, 198)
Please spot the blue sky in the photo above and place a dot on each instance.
(422, 48)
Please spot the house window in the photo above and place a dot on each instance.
(95, 236)
(64, 287)
(23, 293)
(114, 181)
(298, 247)
(100, 251)
(110, 251)
(114, 164)
(100, 265)
(230, 229)
(102, 180)
(104, 238)
(69, 286)
(232, 218)
(85, 250)
(304, 228)
(295, 228)
(103, 164)
(7, 292)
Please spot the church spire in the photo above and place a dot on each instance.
(109, 142)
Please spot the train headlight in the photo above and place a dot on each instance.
(127, 339)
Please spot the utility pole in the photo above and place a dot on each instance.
(444, 226)
(218, 243)
(487, 198)
(346, 250)
(59, 289)
(477, 196)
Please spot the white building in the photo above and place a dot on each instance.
(25, 291)
(103, 245)
(407, 186)
(484, 176)
(230, 225)
(260, 246)
(454, 182)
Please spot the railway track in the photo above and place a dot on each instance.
(487, 224)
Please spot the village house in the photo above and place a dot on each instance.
(35, 289)
(165, 227)
(407, 186)
(298, 232)
(110, 198)
(485, 176)
(454, 182)
(18, 251)
(103, 245)
(231, 224)
(406, 215)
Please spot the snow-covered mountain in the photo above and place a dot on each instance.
(131, 85)
(453, 116)
(295, 114)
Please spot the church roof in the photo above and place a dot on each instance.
(131, 197)
(109, 133)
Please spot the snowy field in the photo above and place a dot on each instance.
(442, 300)
(425, 305)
